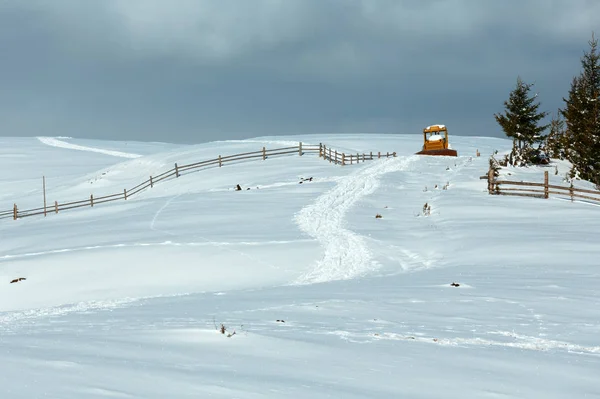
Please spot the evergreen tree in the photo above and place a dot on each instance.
(556, 143)
(582, 114)
(520, 122)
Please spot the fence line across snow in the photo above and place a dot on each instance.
(538, 190)
(341, 158)
(324, 152)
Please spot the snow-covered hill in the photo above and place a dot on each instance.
(123, 300)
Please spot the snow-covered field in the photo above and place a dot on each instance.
(123, 300)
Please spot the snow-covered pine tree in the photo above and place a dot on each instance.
(582, 115)
(520, 122)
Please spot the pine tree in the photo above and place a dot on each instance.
(582, 114)
(520, 122)
(556, 143)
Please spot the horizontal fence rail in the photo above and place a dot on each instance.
(538, 190)
(174, 173)
(341, 158)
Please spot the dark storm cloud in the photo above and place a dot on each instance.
(197, 70)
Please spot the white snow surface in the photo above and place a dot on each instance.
(125, 299)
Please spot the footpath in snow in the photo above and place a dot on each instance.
(346, 254)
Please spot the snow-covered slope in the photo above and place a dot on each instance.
(123, 300)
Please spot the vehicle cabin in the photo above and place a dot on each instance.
(435, 137)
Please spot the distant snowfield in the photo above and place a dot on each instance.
(124, 299)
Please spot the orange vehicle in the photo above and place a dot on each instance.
(435, 142)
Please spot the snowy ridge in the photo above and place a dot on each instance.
(54, 142)
(346, 253)
(266, 141)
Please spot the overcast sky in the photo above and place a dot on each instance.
(198, 70)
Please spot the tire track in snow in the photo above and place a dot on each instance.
(10, 257)
(347, 254)
(12, 320)
(221, 246)
(53, 142)
(513, 340)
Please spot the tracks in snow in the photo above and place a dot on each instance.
(347, 254)
(53, 142)
(507, 339)
(14, 320)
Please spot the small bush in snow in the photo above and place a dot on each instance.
(223, 330)
(426, 209)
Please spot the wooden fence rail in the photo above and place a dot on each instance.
(538, 190)
(178, 170)
(341, 158)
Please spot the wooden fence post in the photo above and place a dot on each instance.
(151, 183)
(546, 193)
(394, 154)
(220, 162)
(363, 157)
(56, 206)
(125, 193)
(320, 150)
(15, 212)
(329, 155)
(379, 154)
(265, 153)
(491, 181)
(387, 154)
(324, 152)
(300, 149)
(571, 193)
(92, 200)
(343, 159)
(357, 158)
(44, 184)
(176, 170)
(371, 155)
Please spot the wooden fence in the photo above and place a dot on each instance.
(179, 170)
(341, 158)
(176, 172)
(538, 190)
